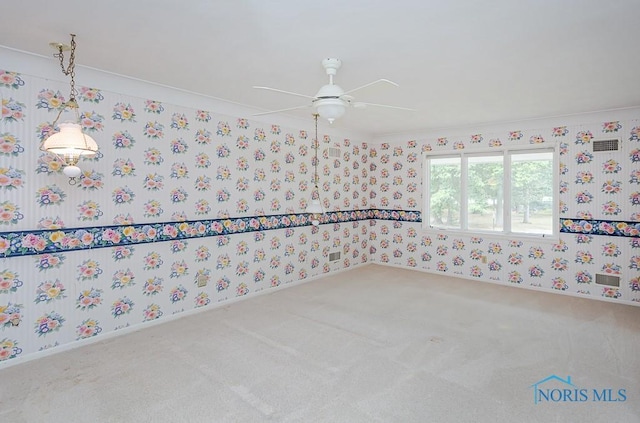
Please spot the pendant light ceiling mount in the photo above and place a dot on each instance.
(59, 47)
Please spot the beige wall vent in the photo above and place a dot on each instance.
(334, 256)
(606, 145)
(334, 152)
(608, 280)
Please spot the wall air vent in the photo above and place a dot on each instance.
(609, 280)
(334, 152)
(605, 145)
(334, 256)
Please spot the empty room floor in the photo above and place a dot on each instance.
(372, 344)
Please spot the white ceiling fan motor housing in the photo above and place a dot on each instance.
(329, 91)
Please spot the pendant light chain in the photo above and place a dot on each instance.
(315, 209)
(70, 70)
(315, 163)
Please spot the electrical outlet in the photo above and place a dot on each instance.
(483, 259)
(202, 280)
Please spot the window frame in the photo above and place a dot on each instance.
(506, 153)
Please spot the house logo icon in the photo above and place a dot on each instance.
(537, 391)
(554, 389)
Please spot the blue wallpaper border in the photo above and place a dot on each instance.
(25, 243)
(600, 227)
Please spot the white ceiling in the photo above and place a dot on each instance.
(458, 62)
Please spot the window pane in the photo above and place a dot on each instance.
(485, 193)
(532, 192)
(444, 192)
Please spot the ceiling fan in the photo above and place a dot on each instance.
(331, 101)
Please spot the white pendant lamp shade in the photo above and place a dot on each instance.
(70, 143)
(315, 207)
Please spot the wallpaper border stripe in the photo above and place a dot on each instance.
(25, 243)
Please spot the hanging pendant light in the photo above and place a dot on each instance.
(70, 143)
(315, 209)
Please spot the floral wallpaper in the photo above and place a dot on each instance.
(185, 208)
(181, 209)
(160, 162)
(599, 214)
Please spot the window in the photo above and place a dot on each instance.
(510, 191)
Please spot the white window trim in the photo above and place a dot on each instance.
(506, 233)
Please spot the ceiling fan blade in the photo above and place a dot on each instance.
(372, 83)
(282, 110)
(361, 104)
(285, 92)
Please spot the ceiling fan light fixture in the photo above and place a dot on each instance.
(331, 101)
(330, 108)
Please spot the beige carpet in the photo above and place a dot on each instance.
(375, 344)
